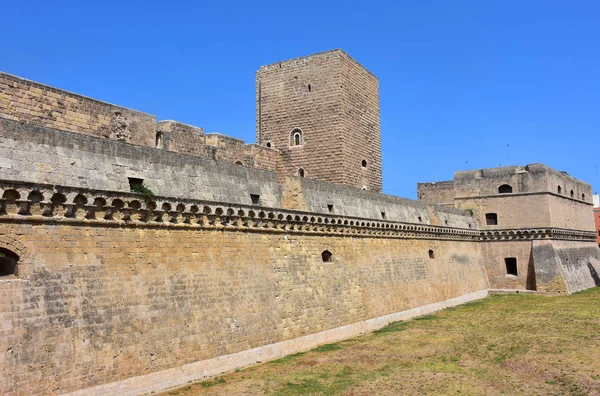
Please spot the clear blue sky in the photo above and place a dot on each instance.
(463, 84)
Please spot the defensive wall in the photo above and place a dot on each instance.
(117, 294)
(512, 205)
(224, 258)
(37, 104)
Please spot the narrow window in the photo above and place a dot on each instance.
(326, 256)
(364, 163)
(446, 222)
(491, 219)
(330, 208)
(583, 196)
(135, 183)
(309, 88)
(8, 263)
(505, 189)
(572, 194)
(511, 266)
(383, 215)
(296, 137)
(255, 198)
(301, 172)
(559, 189)
(420, 219)
(159, 140)
(431, 254)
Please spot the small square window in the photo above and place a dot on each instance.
(491, 219)
(135, 183)
(255, 198)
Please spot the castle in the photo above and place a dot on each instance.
(138, 255)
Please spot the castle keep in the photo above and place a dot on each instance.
(138, 255)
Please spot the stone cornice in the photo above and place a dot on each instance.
(516, 194)
(23, 202)
(45, 203)
(521, 234)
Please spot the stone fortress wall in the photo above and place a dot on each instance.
(223, 268)
(512, 205)
(37, 104)
(234, 259)
(113, 292)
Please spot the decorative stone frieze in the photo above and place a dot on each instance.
(29, 202)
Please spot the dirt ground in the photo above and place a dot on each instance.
(515, 344)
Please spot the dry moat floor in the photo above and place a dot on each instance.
(515, 344)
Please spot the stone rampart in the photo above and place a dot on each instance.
(441, 193)
(111, 287)
(181, 138)
(328, 198)
(566, 266)
(44, 155)
(39, 104)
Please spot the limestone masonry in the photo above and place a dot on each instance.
(138, 255)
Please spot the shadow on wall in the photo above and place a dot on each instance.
(530, 282)
(594, 274)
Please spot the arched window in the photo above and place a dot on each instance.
(364, 163)
(159, 140)
(301, 172)
(559, 190)
(297, 137)
(239, 163)
(583, 196)
(505, 189)
(326, 256)
(431, 254)
(572, 193)
(8, 262)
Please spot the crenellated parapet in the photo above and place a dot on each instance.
(34, 202)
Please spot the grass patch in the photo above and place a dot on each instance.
(426, 317)
(391, 328)
(508, 344)
(307, 386)
(327, 347)
(288, 358)
(216, 381)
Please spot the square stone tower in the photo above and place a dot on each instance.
(322, 112)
